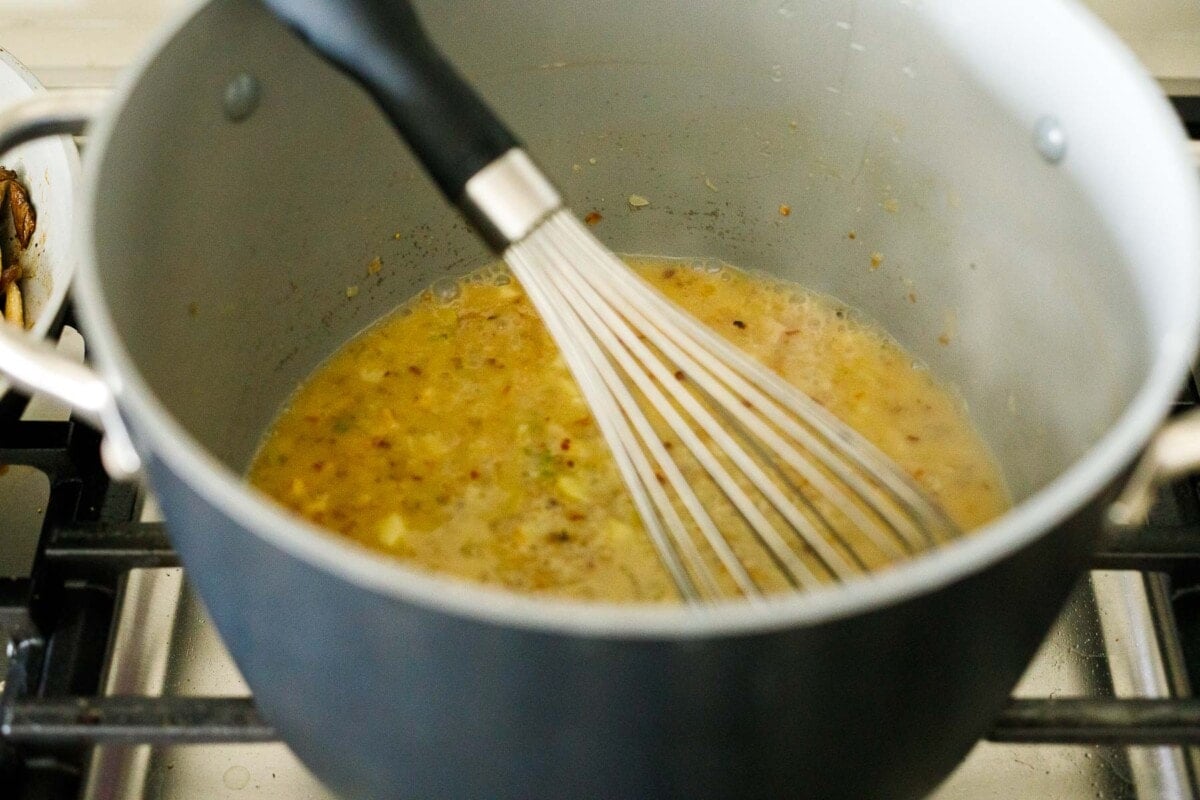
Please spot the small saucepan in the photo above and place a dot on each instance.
(49, 169)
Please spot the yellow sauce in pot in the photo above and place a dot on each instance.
(451, 435)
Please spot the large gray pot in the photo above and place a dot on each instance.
(237, 187)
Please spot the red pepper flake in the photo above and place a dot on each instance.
(741, 326)
(570, 463)
(668, 273)
(474, 474)
(415, 370)
(747, 404)
(661, 478)
(679, 375)
(593, 217)
(318, 466)
(576, 516)
(565, 444)
(668, 445)
(381, 444)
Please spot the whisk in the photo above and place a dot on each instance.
(798, 479)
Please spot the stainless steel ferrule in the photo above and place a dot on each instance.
(508, 198)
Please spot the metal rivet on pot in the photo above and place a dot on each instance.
(242, 95)
(1050, 139)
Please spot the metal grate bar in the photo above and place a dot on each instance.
(1149, 549)
(134, 720)
(217, 720)
(109, 547)
(1110, 721)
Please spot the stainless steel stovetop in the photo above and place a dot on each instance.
(1103, 644)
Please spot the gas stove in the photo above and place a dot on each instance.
(117, 687)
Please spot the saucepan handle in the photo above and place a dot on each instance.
(1174, 451)
(32, 365)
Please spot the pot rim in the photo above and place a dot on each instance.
(164, 439)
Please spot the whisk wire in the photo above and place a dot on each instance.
(606, 321)
(623, 344)
(747, 376)
(597, 363)
(786, 560)
(613, 425)
(896, 485)
(742, 411)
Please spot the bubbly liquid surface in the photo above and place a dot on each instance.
(451, 435)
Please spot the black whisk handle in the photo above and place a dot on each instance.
(381, 44)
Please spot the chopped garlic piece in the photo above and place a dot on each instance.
(392, 530)
(572, 487)
(618, 532)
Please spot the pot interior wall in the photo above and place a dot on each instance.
(226, 249)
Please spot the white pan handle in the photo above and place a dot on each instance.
(32, 365)
(49, 113)
(1173, 452)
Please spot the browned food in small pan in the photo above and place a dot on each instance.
(24, 221)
